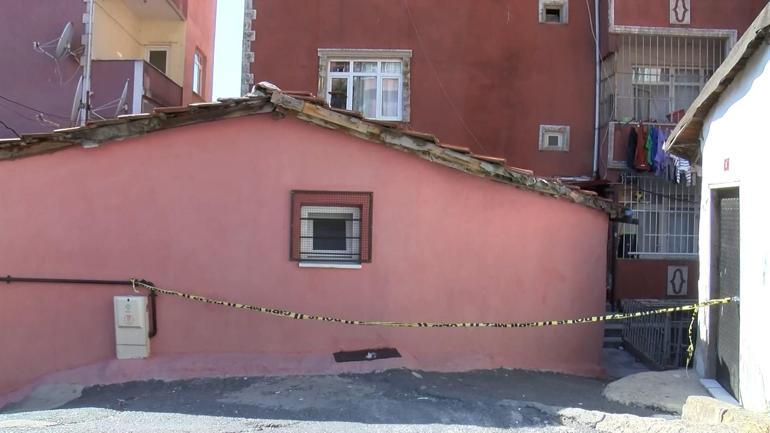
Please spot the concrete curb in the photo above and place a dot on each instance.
(664, 390)
(710, 411)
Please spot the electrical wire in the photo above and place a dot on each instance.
(10, 129)
(438, 79)
(21, 104)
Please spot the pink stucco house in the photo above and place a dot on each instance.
(276, 199)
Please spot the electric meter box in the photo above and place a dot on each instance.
(131, 327)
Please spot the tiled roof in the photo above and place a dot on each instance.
(304, 106)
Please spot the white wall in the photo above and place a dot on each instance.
(738, 129)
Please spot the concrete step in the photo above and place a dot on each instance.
(613, 341)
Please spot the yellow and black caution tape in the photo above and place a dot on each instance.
(394, 324)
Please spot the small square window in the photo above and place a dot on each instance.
(331, 228)
(553, 14)
(554, 138)
(554, 11)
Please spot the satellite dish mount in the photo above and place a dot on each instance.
(59, 47)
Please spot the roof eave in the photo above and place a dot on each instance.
(684, 140)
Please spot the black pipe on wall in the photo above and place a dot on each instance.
(153, 316)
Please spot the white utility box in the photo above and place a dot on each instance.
(131, 327)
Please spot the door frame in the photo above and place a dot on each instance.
(715, 192)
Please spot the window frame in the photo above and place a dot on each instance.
(305, 202)
(198, 64)
(656, 204)
(328, 55)
(379, 75)
(670, 84)
(561, 131)
(165, 48)
(563, 6)
(352, 228)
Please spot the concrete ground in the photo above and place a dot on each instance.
(397, 400)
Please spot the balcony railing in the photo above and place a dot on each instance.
(147, 87)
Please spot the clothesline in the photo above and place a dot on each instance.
(645, 153)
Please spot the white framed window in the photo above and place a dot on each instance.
(330, 234)
(371, 87)
(372, 82)
(554, 138)
(554, 11)
(197, 73)
(157, 56)
(663, 94)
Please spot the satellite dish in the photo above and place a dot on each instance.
(122, 101)
(65, 41)
(76, 102)
(60, 45)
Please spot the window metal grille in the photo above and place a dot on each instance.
(656, 77)
(668, 218)
(331, 227)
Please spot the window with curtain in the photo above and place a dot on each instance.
(371, 87)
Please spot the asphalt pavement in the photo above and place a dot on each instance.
(394, 400)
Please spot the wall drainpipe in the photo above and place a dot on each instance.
(597, 60)
(153, 316)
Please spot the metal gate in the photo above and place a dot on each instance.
(728, 266)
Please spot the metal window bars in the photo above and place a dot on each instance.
(667, 215)
(656, 77)
(331, 227)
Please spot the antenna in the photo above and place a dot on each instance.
(122, 101)
(61, 45)
(76, 102)
(119, 104)
(65, 41)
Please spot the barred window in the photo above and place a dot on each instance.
(331, 227)
(667, 215)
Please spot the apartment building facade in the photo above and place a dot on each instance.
(144, 54)
(518, 79)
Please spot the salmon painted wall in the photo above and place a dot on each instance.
(205, 208)
(505, 73)
(199, 35)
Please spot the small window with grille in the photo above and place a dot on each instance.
(554, 11)
(331, 229)
(554, 138)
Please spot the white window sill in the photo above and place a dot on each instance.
(330, 265)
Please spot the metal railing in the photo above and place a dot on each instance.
(660, 340)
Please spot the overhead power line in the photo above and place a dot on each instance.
(21, 104)
(9, 128)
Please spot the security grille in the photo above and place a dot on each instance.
(331, 227)
(667, 215)
(656, 77)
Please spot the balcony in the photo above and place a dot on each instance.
(162, 10)
(147, 87)
(651, 79)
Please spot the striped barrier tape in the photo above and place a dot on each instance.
(394, 324)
